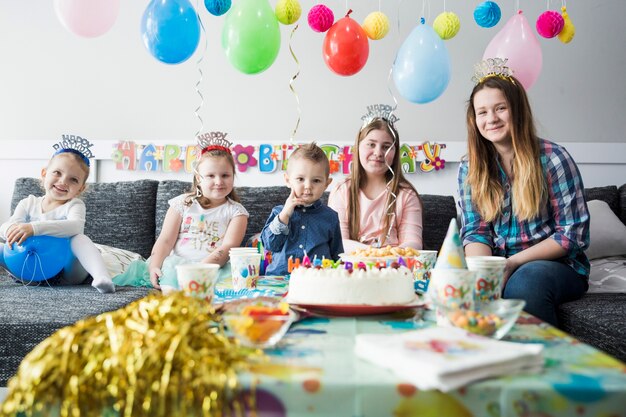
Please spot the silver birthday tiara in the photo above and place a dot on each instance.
(214, 140)
(492, 67)
(379, 111)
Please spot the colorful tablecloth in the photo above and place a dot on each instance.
(314, 372)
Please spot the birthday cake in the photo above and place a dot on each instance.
(361, 285)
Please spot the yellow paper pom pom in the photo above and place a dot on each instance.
(288, 11)
(376, 25)
(567, 33)
(447, 25)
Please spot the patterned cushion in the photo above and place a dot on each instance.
(119, 214)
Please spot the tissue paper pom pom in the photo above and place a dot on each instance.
(487, 14)
(288, 11)
(549, 24)
(568, 32)
(320, 18)
(447, 25)
(217, 7)
(376, 25)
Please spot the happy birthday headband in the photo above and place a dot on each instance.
(212, 141)
(76, 145)
(492, 67)
(379, 111)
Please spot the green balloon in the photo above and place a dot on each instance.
(251, 36)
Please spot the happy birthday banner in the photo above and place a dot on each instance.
(265, 158)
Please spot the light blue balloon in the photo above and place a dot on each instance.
(38, 258)
(170, 30)
(421, 70)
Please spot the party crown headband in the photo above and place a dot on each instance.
(213, 141)
(76, 145)
(492, 67)
(379, 111)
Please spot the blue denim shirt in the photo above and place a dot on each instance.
(314, 229)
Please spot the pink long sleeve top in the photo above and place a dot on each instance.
(406, 230)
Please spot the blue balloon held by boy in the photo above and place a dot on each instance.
(38, 258)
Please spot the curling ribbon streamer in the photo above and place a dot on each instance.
(197, 111)
(293, 90)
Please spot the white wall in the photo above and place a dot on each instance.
(111, 88)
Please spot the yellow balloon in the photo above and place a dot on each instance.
(376, 25)
(567, 33)
(288, 11)
(447, 25)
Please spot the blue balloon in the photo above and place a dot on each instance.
(170, 30)
(421, 70)
(38, 258)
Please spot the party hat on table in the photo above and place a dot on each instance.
(451, 255)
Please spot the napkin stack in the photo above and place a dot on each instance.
(447, 358)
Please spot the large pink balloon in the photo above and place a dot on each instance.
(517, 42)
(87, 18)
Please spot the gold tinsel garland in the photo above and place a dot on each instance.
(158, 356)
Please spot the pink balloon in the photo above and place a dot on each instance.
(517, 42)
(87, 18)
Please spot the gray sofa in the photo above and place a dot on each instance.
(129, 215)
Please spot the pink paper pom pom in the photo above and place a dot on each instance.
(320, 18)
(549, 24)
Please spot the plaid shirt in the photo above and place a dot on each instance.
(564, 217)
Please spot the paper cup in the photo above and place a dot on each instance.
(451, 287)
(197, 280)
(245, 268)
(424, 262)
(489, 276)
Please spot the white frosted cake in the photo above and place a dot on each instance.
(338, 286)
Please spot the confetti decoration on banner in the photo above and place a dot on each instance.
(293, 90)
(197, 111)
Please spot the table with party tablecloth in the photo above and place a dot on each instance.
(314, 372)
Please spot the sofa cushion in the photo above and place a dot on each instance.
(30, 314)
(438, 210)
(119, 214)
(166, 191)
(606, 231)
(599, 320)
(609, 194)
(622, 204)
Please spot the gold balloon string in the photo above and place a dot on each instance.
(197, 111)
(293, 90)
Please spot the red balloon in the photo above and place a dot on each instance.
(346, 47)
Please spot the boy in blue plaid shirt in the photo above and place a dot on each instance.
(521, 197)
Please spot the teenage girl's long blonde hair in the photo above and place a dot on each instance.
(358, 177)
(529, 186)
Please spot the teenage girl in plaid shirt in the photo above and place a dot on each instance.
(522, 197)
